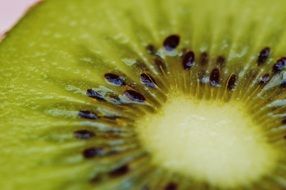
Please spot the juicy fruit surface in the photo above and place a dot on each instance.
(62, 48)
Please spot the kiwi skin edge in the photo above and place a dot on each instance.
(28, 9)
(80, 82)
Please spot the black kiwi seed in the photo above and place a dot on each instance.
(94, 94)
(151, 49)
(160, 64)
(204, 58)
(171, 186)
(134, 96)
(188, 60)
(122, 170)
(114, 79)
(87, 114)
(83, 134)
(113, 98)
(148, 80)
(231, 82)
(215, 77)
(171, 42)
(279, 65)
(263, 56)
(92, 152)
(220, 61)
(264, 79)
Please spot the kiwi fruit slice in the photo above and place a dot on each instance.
(144, 95)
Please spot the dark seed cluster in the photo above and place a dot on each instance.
(188, 70)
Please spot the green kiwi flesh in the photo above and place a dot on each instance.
(79, 77)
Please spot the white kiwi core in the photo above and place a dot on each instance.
(211, 141)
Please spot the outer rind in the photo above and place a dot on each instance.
(28, 9)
